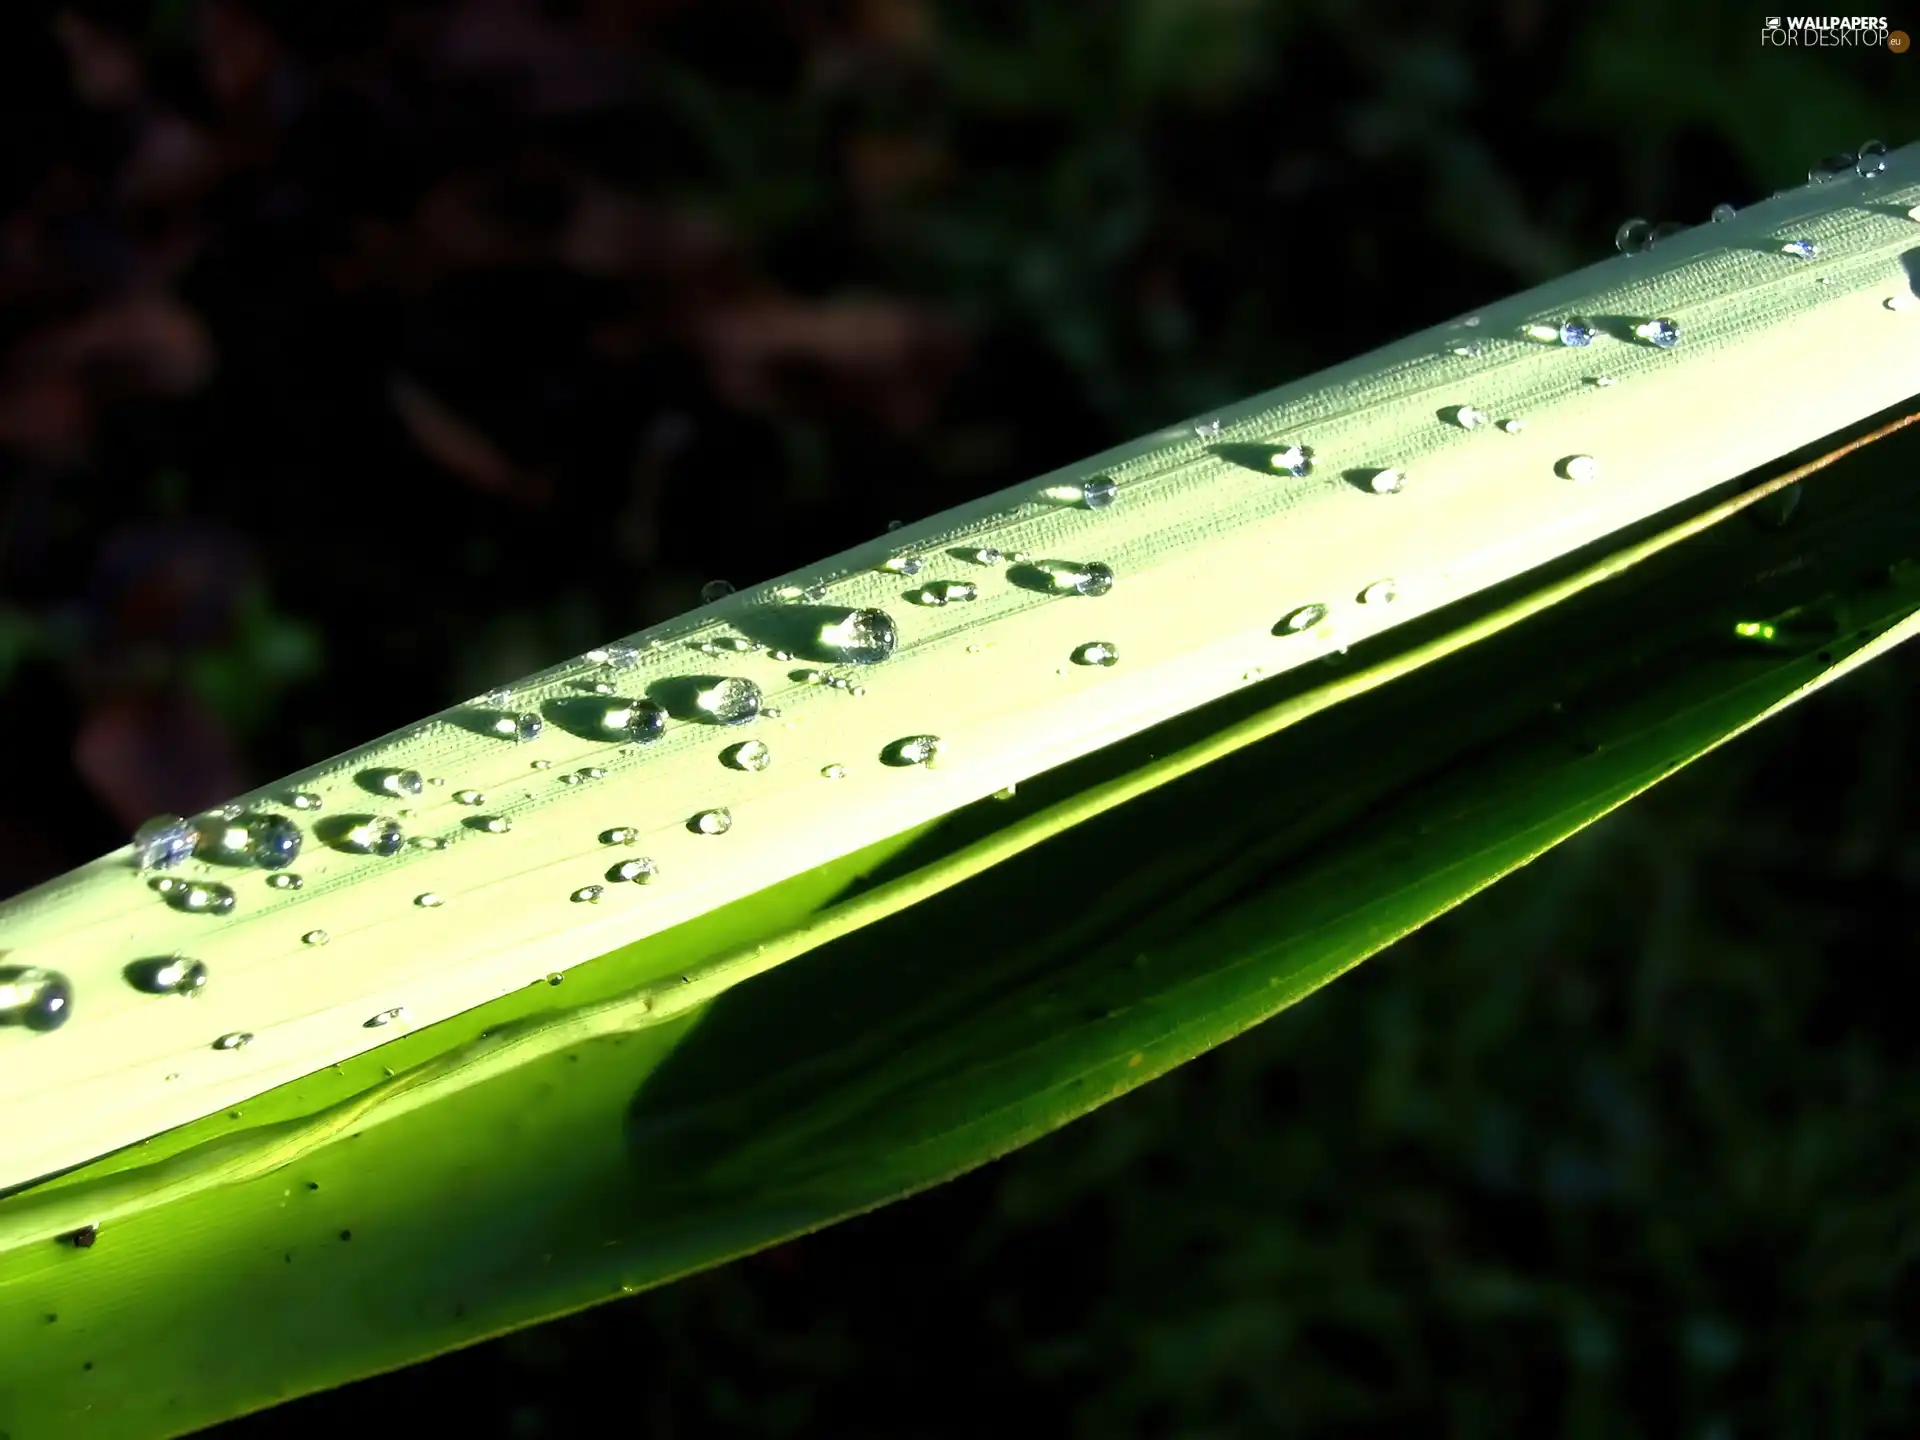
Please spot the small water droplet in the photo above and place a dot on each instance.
(1832, 167)
(1800, 249)
(1208, 431)
(985, 555)
(1601, 382)
(1077, 578)
(274, 841)
(588, 894)
(427, 900)
(569, 779)
(234, 1040)
(1006, 792)
(499, 697)
(376, 836)
(1633, 236)
(912, 750)
(1291, 459)
(945, 592)
(1468, 418)
(197, 897)
(711, 822)
(304, 800)
(387, 1017)
(35, 997)
(1096, 652)
(640, 871)
(860, 637)
(1577, 332)
(833, 772)
(903, 565)
(542, 765)
(619, 835)
(469, 797)
(401, 782)
(715, 590)
(1380, 592)
(494, 824)
(1098, 493)
(1386, 482)
(1513, 427)
(315, 937)
(1304, 618)
(1578, 467)
(1902, 300)
(747, 755)
(427, 842)
(163, 842)
(1470, 352)
(168, 975)
(285, 880)
(893, 525)
(1662, 332)
(729, 701)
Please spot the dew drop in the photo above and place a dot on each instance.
(1386, 482)
(1470, 352)
(1722, 213)
(639, 872)
(493, 824)
(1601, 382)
(1800, 249)
(731, 701)
(163, 842)
(1663, 332)
(1304, 618)
(168, 975)
(526, 727)
(640, 721)
(469, 797)
(912, 750)
(401, 782)
(619, 835)
(985, 555)
(1513, 427)
(285, 880)
(833, 772)
(711, 822)
(1833, 167)
(1208, 431)
(1902, 300)
(903, 565)
(569, 779)
(1578, 467)
(499, 697)
(1871, 163)
(1290, 459)
(715, 590)
(1096, 652)
(1633, 236)
(1098, 493)
(198, 897)
(1577, 332)
(375, 836)
(428, 900)
(304, 800)
(542, 765)
(427, 842)
(860, 637)
(1071, 578)
(1380, 592)
(588, 894)
(387, 1017)
(234, 1040)
(37, 998)
(1468, 418)
(747, 755)
(274, 841)
(945, 592)
(315, 937)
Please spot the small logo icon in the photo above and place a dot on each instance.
(1898, 42)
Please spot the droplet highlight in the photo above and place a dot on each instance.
(34, 997)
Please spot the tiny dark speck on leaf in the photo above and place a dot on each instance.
(83, 1238)
(346, 1234)
(87, 1365)
(313, 1184)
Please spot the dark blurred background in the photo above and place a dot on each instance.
(356, 356)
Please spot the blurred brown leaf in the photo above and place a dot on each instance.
(156, 753)
(460, 448)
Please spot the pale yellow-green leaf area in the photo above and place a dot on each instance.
(1224, 567)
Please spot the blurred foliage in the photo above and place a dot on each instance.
(356, 356)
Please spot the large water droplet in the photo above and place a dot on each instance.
(1633, 236)
(1098, 493)
(1380, 592)
(641, 721)
(429, 900)
(469, 797)
(1386, 482)
(1292, 459)
(167, 975)
(274, 841)
(715, 590)
(375, 835)
(747, 755)
(912, 750)
(860, 637)
(903, 565)
(711, 822)
(163, 842)
(1096, 652)
(639, 871)
(34, 997)
(1304, 618)
(1722, 213)
(1578, 467)
(1871, 163)
(315, 937)
(399, 782)
(730, 701)
(1577, 332)
(1800, 249)
(1663, 332)
(234, 1040)
(1467, 417)
(588, 894)
(1832, 167)
(619, 835)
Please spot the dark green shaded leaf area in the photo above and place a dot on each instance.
(984, 1017)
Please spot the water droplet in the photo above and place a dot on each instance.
(1077, 578)
(493, 824)
(1096, 652)
(387, 1017)
(1722, 213)
(1380, 592)
(469, 797)
(747, 755)
(1513, 427)
(895, 524)
(499, 697)
(903, 565)
(376, 835)
(640, 721)
(833, 772)
(1471, 352)
(588, 894)
(945, 592)
(1601, 381)
(1662, 332)
(730, 701)
(1832, 167)
(168, 975)
(285, 880)
(860, 637)
(401, 782)
(1386, 482)
(315, 937)
(234, 1040)
(985, 555)
(304, 800)
(427, 900)
(1577, 332)
(426, 842)
(196, 897)
(1903, 300)
(1633, 236)
(1292, 459)
(1304, 618)
(1871, 163)
(526, 727)
(569, 779)
(711, 822)
(715, 590)
(639, 872)
(163, 842)
(619, 656)
(1578, 467)
(1208, 431)
(619, 835)
(274, 841)
(912, 750)
(1800, 249)
(1468, 418)
(37, 998)
(1098, 493)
